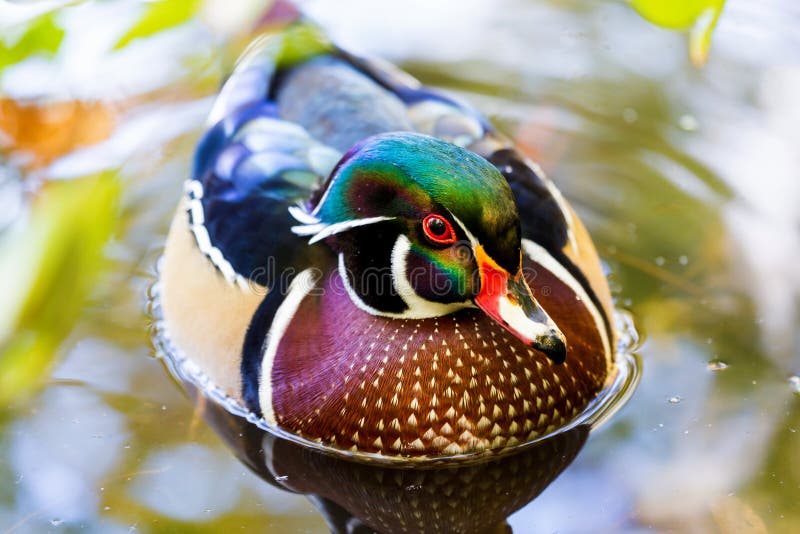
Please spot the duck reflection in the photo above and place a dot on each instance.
(357, 497)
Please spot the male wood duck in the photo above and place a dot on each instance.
(365, 263)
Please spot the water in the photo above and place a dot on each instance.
(686, 178)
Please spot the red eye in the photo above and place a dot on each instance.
(438, 230)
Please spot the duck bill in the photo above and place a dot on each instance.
(508, 300)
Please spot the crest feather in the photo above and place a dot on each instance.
(318, 230)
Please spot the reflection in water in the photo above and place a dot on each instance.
(352, 496)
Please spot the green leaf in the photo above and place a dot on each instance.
(673, 14)
(42, 37)
(699, 15)
(159, 16)
(49, 266)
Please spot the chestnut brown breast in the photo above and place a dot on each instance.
(447, 385)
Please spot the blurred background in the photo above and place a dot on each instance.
(672, 127)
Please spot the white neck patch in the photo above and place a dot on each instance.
(418, 307)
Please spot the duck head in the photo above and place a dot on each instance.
(423, 228)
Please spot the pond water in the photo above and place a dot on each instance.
(688, 179)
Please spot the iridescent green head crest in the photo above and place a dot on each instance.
(407, 176)
(423, 228)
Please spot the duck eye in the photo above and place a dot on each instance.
(438, 230)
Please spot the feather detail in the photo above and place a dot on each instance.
(335, 228)
(318, 230)
(303, 217)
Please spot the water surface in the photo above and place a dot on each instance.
(687, 179)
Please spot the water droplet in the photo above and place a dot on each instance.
(660, 261)
(163, 406)
(106, 508)
(717, 365)
(795, 383)
(683, 260)
(675, 399)
(688, 123)
(56, 522)
(630, 115)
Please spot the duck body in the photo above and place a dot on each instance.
(365, 263)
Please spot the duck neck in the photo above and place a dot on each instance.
(375, 278)
(365, 267)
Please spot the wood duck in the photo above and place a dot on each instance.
(363, 262)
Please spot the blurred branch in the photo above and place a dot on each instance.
(42, 37)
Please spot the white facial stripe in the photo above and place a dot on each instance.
(472, 238)
(345, 225)
(298, 289)
(319, 230)
(418, 307)
(543, 258)
(302, 216)
(515, 317)
(308, 229)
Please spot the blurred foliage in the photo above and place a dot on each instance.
(41, 37)
(159, 16)
(698, 15)
(49, 266)
(52, 259)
